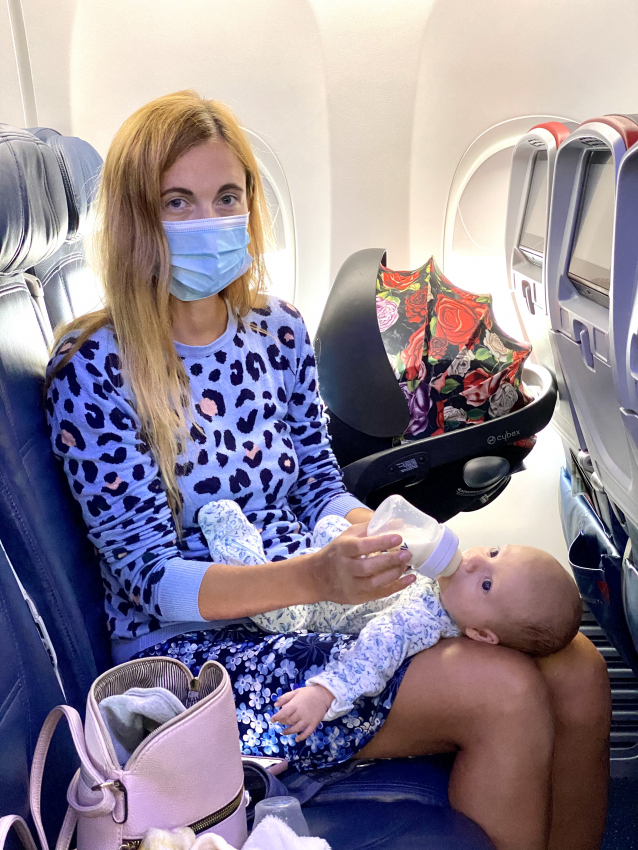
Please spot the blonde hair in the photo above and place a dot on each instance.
(133, 262)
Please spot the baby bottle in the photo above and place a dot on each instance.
(434, 547)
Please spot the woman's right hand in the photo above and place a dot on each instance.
(355, 568)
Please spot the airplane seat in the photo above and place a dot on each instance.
(597, 563)
(460, 470)
(579, 274)
(624, 344)
(69, 286)
(45, 538)
(28, 691)
(529, 197)
(589, 320)
(40, 523)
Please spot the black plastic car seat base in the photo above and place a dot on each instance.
(481, 472)
(413, 458)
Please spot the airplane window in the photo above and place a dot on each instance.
(476, 261)
(276, 215)
(279, 261)
(590, 262)
(86, 288)
(535, 221)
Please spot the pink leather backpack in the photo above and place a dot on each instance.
(188, 772)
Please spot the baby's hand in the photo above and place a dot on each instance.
(303, 710)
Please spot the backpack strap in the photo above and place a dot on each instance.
(104, 804)
(16, 823)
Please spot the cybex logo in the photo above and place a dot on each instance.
(502, 438)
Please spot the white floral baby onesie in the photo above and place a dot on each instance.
(390, 629)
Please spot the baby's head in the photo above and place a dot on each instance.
(518, 596)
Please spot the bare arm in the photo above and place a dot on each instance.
(352, 569)
(358, 515)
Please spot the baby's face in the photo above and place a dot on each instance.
(488, 584)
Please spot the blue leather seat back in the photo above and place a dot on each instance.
(40, 524)
(597, 565)
(28, 691)
(70, 287)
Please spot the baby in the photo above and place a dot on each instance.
(518, 596)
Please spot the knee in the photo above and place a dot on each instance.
(512, 709)
(516, 688)
(505, 686)
(578, 685)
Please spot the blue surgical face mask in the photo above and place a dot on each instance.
(207, 254)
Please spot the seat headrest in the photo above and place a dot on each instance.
(43, 133)
(80, 165)
(34, 220)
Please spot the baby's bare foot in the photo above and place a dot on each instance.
(303, 710)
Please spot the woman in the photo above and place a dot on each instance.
(175, 394)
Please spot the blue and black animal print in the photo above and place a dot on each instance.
(263, 443)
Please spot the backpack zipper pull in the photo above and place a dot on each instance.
(193, 692)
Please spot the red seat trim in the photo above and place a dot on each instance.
(559, 131)
(623, 125)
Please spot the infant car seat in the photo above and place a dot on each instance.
(400, 404)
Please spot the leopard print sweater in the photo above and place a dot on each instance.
(263, 443)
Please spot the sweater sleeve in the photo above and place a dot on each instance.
(319, 489)
(96, 433)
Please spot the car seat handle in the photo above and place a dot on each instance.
(349, 349)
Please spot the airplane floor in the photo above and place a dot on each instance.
(622, 818)
(527, 511)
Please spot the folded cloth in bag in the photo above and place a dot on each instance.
(188, 772)
(132, 716)
(271, 834)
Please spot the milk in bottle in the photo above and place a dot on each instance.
(434, 547)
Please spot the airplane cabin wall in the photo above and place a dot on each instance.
(484, 65)
(488, 62)
(369, 107)
(11, 102)
(391, 121)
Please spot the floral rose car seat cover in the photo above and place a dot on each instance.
(455, 366)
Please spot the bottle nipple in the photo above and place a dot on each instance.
(453, 566)
(445, 557)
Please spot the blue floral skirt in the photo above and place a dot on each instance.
(262, 667)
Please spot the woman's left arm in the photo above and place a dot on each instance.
(357, 515)
(319, 489)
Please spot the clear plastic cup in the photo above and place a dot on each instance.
(286, 809)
